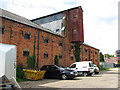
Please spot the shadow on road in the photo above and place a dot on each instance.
(36, 84)
(31, 84)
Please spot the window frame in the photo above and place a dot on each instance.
(71, 58)
(26, 52)
(60, 44)
(60, 56)
(2, 30)
(96, 52)
(71, 46)
(46, 40)
(27, 35)
(86, 50)
(58, 30)
(45, 55)
(91, 51)
(74, 15)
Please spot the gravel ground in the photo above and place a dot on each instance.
(106, 79)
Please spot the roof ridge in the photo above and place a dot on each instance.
(23, 20)
(57, 13)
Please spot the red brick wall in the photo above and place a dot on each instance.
(92, 54)
(71, 24)
(14, 34)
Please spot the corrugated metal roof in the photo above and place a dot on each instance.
(20, 19)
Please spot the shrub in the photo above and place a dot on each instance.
(77, 51)
(19, 71)
(118, 61)
(56, 60)
(31, 62)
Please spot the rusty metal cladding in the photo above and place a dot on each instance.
(75, 25)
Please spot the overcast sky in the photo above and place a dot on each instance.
(100, 17)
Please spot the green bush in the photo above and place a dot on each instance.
(77, 51)
(19, 71)
(118, 61)
(103, 69)
(31, 62)
(56, 60)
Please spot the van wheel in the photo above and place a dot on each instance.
(64, 77)
(91, 74)
(85, 74)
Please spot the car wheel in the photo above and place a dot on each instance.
(85, 74)
(97, 73)
(64, 77)
(72, 78)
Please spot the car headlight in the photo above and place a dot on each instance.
(71, 73)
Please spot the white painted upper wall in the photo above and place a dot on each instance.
(52, 22)
(54, 26)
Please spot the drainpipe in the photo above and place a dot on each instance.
(82, 52)
(38, 51)
(89, 53)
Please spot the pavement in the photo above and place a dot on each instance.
(106, 79)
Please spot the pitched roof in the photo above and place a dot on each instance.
(57, 13)
(20, 19)
(89, 45)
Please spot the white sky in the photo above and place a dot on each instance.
(100, 17)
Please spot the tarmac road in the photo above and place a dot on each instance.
(106, 79)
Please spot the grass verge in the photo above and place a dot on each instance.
(103, 69)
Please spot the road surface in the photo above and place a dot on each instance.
(106, 79)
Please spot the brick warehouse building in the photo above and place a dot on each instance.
(65, 28)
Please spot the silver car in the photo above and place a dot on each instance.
(96, 69)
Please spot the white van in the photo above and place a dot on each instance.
(83, 68)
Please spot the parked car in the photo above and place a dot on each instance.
(84, 68)
(96, 69)
(54, 71)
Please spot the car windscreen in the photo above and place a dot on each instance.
(43, 68)
(60, 67)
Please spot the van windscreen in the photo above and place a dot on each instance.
(73, 66)
(90, 65)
